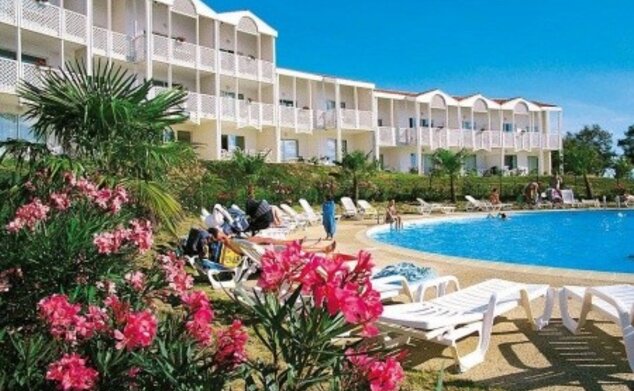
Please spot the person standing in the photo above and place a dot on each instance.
(392, 216)
(328, 217)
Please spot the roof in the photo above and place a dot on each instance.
(234, 18)
(201, 8)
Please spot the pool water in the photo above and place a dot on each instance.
(587, 240)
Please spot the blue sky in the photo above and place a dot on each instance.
(578, 54)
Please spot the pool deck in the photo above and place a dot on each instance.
(518, 357)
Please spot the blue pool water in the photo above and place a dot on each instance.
(587, 240)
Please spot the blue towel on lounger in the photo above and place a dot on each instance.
(413, 274)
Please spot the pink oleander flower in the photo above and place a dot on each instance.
(118, 307)
(141, 234)
(60, 315)
(71, 373)
(119, 198)
(107, 286)
(230, 346)
(179, 281)
(381, 375)
(70, 179)
(28, 215)
(136, 280)
(102, 198)
(60, 201)
(139, 331)
(87, 188)
(200, 314)
(28, 185)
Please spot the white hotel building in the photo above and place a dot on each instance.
(239, 98)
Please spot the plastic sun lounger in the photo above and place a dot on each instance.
(568, 198)
(615, 302)
(426, 208)
(484, 206)
(309, 213)
(367, 210)
(300, 220)
(349, 210)
(453, 316)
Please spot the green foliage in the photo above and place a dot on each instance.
(449, 163)
(595, 138)
(249, 166)
(357, 166)
(627, 144)
(582, 159)
(622, 168)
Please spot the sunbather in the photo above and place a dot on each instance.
(262, 215)
(307, 245)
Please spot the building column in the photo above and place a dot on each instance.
(217, 154)
(375, 127)
(429, 128)
(419, 140)
(339, 151)
(149, 44)
(277, 152)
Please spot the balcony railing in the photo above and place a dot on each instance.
(45, 18)
(296, 118)
(207, 106)
(7, 11)
(436, 138)
(356, 119)
(406, 136)
(110, 43)
(74, 26)
(41, 17)
(246, 66)
(387, 136)
(8, 75)
(177, 52)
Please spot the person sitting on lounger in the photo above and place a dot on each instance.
(311, 246)
(494, 197)
(531, 193)
(261, 214)
(392, 216)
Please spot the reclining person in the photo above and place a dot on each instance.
(313, 246)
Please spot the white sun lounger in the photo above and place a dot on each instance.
(349, 210)
(568, 198)
(367, 210)
(453, 316)
(426, 208)
(615, 302)
(299, 220)
(311, 216)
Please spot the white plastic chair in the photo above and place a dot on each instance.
(426, 208)
(568, 198)
(615, 302)
(309, 213)
(451, 317)
(349, 210)
(367, 210)
(299, 220)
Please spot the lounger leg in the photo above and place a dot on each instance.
(477, 356)
(574, 326)
(628, 339)
(542, 321)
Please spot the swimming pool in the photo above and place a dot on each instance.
(586, 240)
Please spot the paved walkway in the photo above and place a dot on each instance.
(518, 358)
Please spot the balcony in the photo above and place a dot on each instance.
(356, 119)
(246, 67)
(8, 75)
(387, 136)
(247, 114)
(110, 43)
(46, 18)
(296, 118)
(178, 52)
(436, 138)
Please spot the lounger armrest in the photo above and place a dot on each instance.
(622, 309)
(441, 284)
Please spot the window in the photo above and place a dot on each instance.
(344, 147)
(331, 149)
(330, 104)
(424, 122)
(231, 142)
(510, 161)
(287, 103)
(184, 136)
(507, 127)
(533, 164)
(290, 149)
(380, 122)
(14, 127)
(470, 163)
(466, 124)
(342, 105)
(232, 95)
(412, 121)
(413, 163)
(428, 163)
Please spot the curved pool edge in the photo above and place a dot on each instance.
(364, 237)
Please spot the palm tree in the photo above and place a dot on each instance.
(249, 166)
(106, 119)
(357, 166)
(449, 163)
(582, 159)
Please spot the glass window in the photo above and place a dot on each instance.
(381, 161)
(466, 125)
(507, 127)
(412, 121)
(287, 103)
(413, 163)
(344, 147)
(290, 149)
(231, 142)
(428, 163)
(342, 105)
(470, 163)
(184, 136)
(510, 161)
(533, 164)
(380, 122)
(330, 104)
(8, 126)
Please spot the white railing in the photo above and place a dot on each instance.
(248, 113)
(207, 58)
(268, 113)
(160, 48)
(41, 17)
(154, 91)
(366, 119)
(31, 73)
(406, 136)
(227, 62)
(74, 26)
(553, 142)
(468, 139)
(100, 39)
(508, 139)
(8, 75)
(207, 106)
(287, 116)
(304, 121)
(138, 48)
(349, 119)
(267, 71)
(7, 11)
(228, 107)
(183, 52)
(248, 67)
(535, 140)
(495, 139)
(454, 138)
(191, 103)
(387, 136)
(120, 45)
